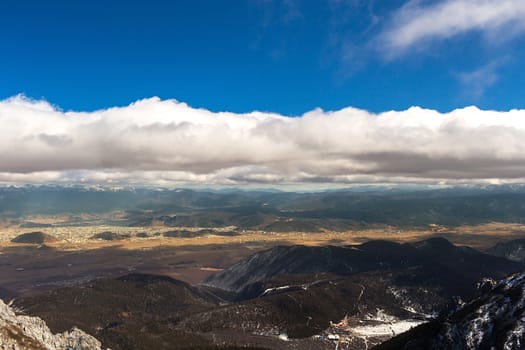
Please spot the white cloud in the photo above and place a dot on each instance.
(476, 82)
(418, 22)
(170, 143)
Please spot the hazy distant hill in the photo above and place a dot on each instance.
(273, 210)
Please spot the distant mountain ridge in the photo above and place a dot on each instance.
(274, 210)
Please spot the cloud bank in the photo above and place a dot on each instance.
(165, 142)
(418, 22)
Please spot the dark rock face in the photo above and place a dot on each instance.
(513, 250)
(494, 320)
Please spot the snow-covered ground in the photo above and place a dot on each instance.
(382, 324)
(371, 329)
(386, 329)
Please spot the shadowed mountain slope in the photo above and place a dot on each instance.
(493, 320)
(290, 291)
(130, 312)
(513, 250)
(437, 254)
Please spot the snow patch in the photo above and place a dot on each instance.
(387, 329)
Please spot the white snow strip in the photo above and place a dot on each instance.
(387, 329)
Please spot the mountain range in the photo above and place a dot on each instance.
(272, 210)
(287, 297)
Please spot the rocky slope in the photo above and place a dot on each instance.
(31, 333)
(513, 250)
(461, 266)
(135, 311)
(290, 297)
(154, 312)
(493, 320)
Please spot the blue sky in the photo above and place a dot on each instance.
(281, 56)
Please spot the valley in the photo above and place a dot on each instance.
(222, 273)
(73, 254)
(282, 297)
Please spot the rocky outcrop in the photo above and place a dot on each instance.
(18, 332)
(493, 320)
(513, 250)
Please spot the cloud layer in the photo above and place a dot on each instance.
(417, 22)
(167, 142)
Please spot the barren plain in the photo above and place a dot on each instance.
(75, 254)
